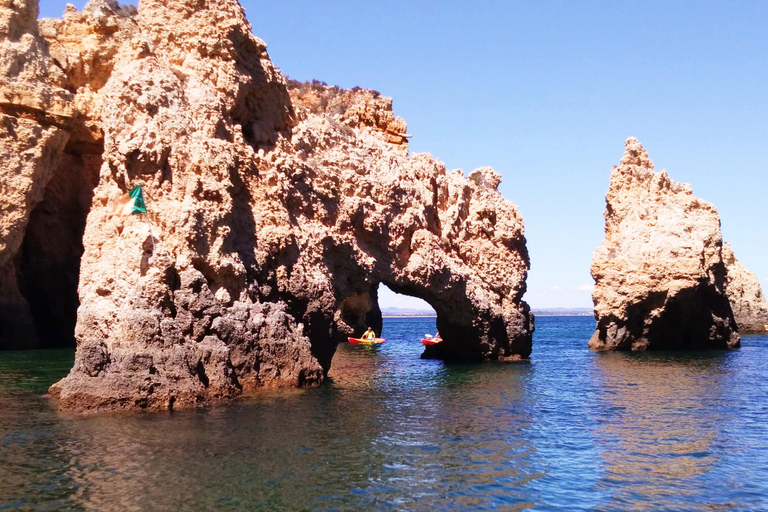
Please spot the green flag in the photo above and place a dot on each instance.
(130, 203)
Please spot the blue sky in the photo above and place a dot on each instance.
(546, 92)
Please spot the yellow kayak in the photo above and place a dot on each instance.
(361, 341)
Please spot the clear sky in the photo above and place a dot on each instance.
(546, 92)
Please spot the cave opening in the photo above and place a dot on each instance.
(48, 262)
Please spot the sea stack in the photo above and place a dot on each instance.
(275, 211)
(659, 274)
(745, 294)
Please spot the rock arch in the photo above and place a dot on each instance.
(275, 210)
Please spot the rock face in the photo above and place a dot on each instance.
(659, 273)
(750, 308)
(274, 215)
(34, 113)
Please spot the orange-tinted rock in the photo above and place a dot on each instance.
(34, 112)
(659, 273)
(745, 294)
(274, 215)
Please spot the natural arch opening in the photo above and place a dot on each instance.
(373, 307)
(451, 324)
(367, 308)
(394, 304)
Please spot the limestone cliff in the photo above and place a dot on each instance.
(34, 113)
(745, 294)
(274, 215)
(659, 273)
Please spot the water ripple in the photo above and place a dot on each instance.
(570, 430)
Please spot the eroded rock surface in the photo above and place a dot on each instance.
(34, 113)
(274, 215)
(745, 294)
(659, 274)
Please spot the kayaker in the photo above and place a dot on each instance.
(368, 335)
(437, 338)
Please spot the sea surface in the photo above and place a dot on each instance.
(569, 430)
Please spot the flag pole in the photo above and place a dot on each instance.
(151, 236)
(148, 220)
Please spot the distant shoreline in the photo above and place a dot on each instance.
(535, 314)
(408, 316)
(562, 314)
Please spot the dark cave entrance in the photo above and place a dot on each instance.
(357, 312)
(48, 263)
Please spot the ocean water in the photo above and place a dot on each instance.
(569, 430)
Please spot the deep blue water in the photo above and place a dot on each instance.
(569, 430)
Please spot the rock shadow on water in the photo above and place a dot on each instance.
(659, 427)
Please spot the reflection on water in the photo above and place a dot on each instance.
(665, 425)
(433, 429)
(569, 430)
(656, 437)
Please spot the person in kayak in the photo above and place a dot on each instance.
(368, 335)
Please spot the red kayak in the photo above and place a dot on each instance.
(360, 341)
(431, 341)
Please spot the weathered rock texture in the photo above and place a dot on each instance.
(34, 112)
(275, 214)
(659, 273)
(750, 308)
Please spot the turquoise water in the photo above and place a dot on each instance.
(569, 430)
